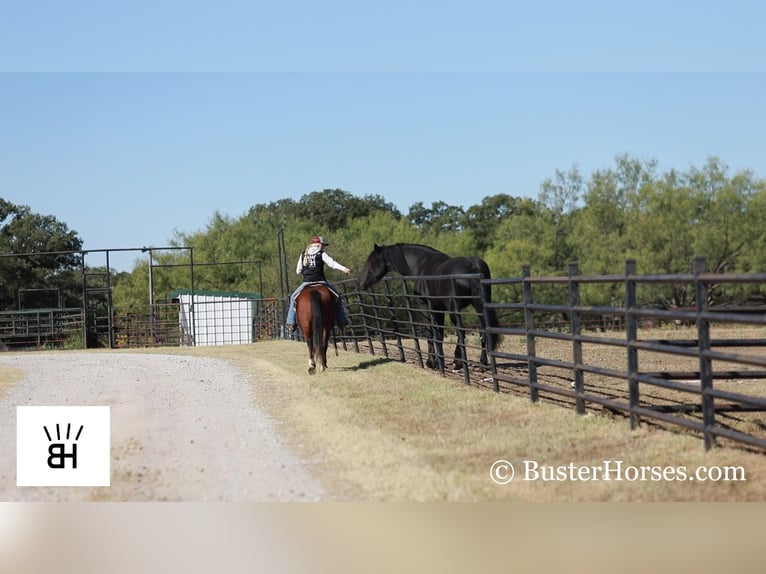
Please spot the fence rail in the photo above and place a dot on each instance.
(702, 369)
(41, 328)
(161, 324)
(696, 367)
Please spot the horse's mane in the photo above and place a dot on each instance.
(417, 246)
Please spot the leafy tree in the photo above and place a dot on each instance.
(753, 260)
(482, 221)
(664, 221)
(600, 228)
(439, 218)
(332, 209)
(727, 221)
(729, 227)
(382, 228)
(523, 239)
(661, 236)
(560, 195)
(23, 231)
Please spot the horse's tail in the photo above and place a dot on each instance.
(484, 293)
(317, 320)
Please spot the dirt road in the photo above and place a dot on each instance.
(182, 429)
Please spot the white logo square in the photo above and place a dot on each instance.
(63, 446)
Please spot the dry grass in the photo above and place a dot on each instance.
(382, 430)
(8, 377)
(616, 389)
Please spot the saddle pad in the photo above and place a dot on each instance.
(330, 289)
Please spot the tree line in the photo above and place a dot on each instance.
(662, 219)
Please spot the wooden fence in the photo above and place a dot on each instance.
(702, 368)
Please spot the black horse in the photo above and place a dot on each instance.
(441, 295)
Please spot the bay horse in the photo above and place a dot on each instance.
(441, 295)
(315, 311)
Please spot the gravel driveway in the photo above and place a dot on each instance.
(182, 429)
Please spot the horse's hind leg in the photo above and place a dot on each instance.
(436, 342)
(486, 344)
(312, 363)
(321, 352)
(460, 352)
(459, 359)
(484, 347)
(433, 356)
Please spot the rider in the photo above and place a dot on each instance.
(311, 265)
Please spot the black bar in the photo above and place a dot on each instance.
(706, 365)
(631, 329)
(529, 325)
(577, 373)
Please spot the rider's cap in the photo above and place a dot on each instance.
(319, 239)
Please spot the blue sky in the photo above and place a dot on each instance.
(111, 121)
(396, 35)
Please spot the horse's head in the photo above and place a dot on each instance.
(374, 268)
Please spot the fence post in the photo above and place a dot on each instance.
(362, 319)
(706, 365)
(631, 336)
(459, 332)
(379, 323)
(529, 326)
(574, 320)
(363, 307)
(437, 335)
(347, 303)
(413, 326)
(394, 321)
(486, 302)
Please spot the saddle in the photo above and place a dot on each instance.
(314, 284)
